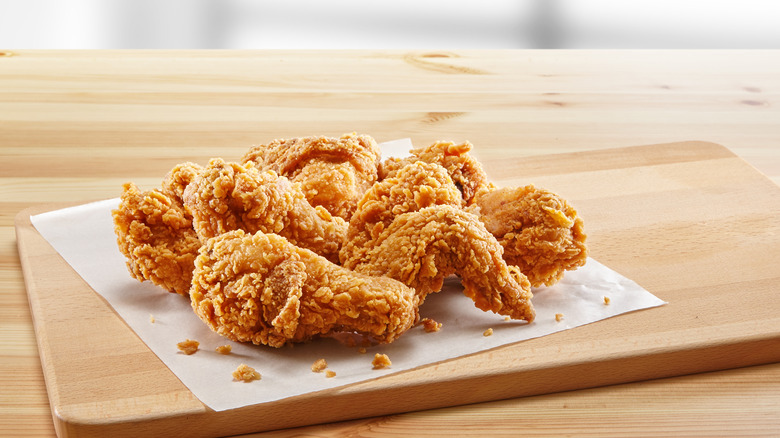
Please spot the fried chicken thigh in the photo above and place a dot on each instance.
(421, 248)
(539, 231)
(260, 288)
(333, 172)
(229, 196)
(155, 234)
(466, 172)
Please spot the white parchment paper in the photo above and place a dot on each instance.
(84, 237)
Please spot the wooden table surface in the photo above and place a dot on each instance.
(75, 125)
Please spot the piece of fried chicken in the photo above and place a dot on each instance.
(464, 170)
(540, 231)
(414, 187)
(229, 196)
(260, 288)
(421, 248)
(333, 172)
(155, 234)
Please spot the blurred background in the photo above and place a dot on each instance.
(398, 24)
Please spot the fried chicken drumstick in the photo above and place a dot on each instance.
(260, 288)
(333, 172)
(228, 196)
(423, 247)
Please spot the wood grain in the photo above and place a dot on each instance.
(74, 124)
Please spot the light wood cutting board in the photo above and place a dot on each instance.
(691, 222)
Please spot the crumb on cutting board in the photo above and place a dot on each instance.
(188, 347)
(430, 325)
(381, 361)
(224, 349)
(319, 366)
(245, 373)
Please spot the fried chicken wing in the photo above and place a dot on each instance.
(421, 248)
(155, 234)
(333, 172)
(466, 172)
(413, 187)
(229, 196)
(260, 288)
(540, 232)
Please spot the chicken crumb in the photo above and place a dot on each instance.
(245, 373)
(430, 325)
(362, 350)
(488, 332)
(330, 374)
(319, 366)
(188, 347)
(381, 361)
(606, 301)
(151, 318)
(507, 318)
(558, 317)
(224, 349)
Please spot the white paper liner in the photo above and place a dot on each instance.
(84, 237)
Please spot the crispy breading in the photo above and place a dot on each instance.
(260, 288)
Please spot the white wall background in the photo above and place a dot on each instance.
(401, 24)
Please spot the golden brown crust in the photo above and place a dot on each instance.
(154, 232)
(260, 288)
(464, 170)
(230, 196)
(540, 232)
(333, 172)
(421, 248)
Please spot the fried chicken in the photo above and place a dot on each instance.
(466, 172)
(413, 187)
(229, 196)
(260, 288)
(539, 231)
(155, 234)
(421, 248)
(333, 172)
(177, 179)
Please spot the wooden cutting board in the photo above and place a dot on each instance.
(691, 222)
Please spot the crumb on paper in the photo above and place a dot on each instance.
(507, 318)
(430, 325)
(488, 332)
(381, 361)
(558, 317)
(330, 373)
(319, 366)
(188, 347)
(362, 350)
(245, 373)
(224, 349)
(606, 300)
(151, 318)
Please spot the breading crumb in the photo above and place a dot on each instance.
(430, 325)
(362, 350)
(558, 317)
(319, 366)
(381, 361)
(151, 318)
(606, 301)
(488, 332)
(245, 373)
(330, 374)
(224, 349)
(188, 347)
(507, 318)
